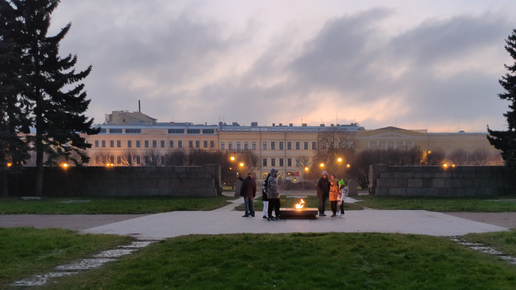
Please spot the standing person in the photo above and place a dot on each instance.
(323, 191)
(264, 196)
(334, 195)
(248, 192)
(273, 195)
(342, 196)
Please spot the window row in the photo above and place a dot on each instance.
(239, 145)
(280, 162)
(154, 144)
(170, 131)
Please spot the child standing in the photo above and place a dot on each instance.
(334, 195)
(342, 196)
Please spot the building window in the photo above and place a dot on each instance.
(208, 131)
(197, 144)
(146, 143)
(281, 146)
(253, 145)
(137, 143)
(281, 162)
(230, 145)
(289, 162)
(119, 160)
(102, 130)
(129, 144)
(138, 160)
(118, 143)
(239, 145)
(289, 145)
(273, 146)
(298, 145)
(193, 131)
(163, 160)
(297, 162)
(133, 131)
(115, 131)
(273, 161)
(111, 159)
(205, 143)
(305, 145)
(97, 159)
(212, 144)
(96, 143)
(162, 143)
(314, 145)
(179, 143)
(222, 145)
(246, 145)
(264, 162)
(190, 144)
(171, 143)
(264, 145)
(176, 131)
(154, 144)
(111, 143)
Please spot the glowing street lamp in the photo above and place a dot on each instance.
(232, 158)
(306, 168)
(322, 165)
(64, 165)
(348, 166)
(241, 164)
(339, 159)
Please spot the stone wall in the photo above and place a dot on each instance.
(199, 181)
(439, 181)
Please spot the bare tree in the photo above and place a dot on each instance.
(435, 157)
(459, 156)
(479, 156)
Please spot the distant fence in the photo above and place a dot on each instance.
(387, 180)
(199, 181)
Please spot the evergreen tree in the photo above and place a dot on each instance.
(13, 121)
(56, 101)
(506, 140)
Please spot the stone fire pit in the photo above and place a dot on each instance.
(293, 213)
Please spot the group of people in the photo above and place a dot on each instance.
(330, 188)
(333, 189)
(270, 195)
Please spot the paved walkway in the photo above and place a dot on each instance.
(226, 220)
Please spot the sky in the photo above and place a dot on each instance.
(411, 64)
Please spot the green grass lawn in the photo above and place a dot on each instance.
(300, 261)
(125, 205)
(27, 251)
(504, 242)
(441, 204)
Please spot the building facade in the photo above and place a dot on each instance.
(134, 139)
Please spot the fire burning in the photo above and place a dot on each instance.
(300, 205)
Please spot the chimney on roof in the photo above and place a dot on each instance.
(139, 107)
(273, 124)
(291, 124)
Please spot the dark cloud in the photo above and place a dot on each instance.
(185, 67)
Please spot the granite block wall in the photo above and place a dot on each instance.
(439, 181)
(198, 181)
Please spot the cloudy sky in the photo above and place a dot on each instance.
(413, 64)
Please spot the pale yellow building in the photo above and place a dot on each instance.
(130, 138)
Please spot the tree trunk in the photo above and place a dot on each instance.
(4, 188)
(39, 165)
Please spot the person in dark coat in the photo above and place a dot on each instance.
(273, 196)
(248, 192)
(323, 192)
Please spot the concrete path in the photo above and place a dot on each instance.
(228, 221)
